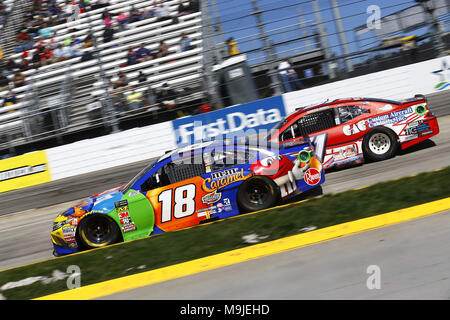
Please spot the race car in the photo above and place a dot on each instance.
(353, 130)
(188, 186)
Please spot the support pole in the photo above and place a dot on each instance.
(270, 54)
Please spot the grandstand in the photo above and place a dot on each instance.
(91, 93)
(68, 86)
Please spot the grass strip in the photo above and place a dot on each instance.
(204, 240)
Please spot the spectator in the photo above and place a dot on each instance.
(131, 57)
(4, 82)
(24, 65)
(182, 9)
(162, 11)
(122, 20)
(143, 54)
(118, 100)
(163, 49)
(193, 6)
(106, 14)
(134, 15)
(107, 21)
(88, 41)
(148, 13)
(52, 43)
(18, 79)
(134, 99)
(47, 56)
(10, 98)
(141, 77)
(45, 32)
(36, 60)
(122, 81)
(185, 43)
(232, 47)
(59, 53)
(150, 96)
(10, 67)
(100, 4)
(75, 48)
(87, 55)
(166, 100)
(108, 34)
(68, 9)
(288, 76)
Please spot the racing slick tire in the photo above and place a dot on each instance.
(257, 193)
(96, 231)
(380, 144)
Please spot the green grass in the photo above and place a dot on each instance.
(204, 240)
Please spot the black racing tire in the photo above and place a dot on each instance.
(96, 231)
(257, 193)
(380, 144)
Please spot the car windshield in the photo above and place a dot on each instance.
(137, 177)
(276, 128)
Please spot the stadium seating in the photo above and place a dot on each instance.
(178, 69)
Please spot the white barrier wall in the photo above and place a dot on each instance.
(395, 84)
(110, 151)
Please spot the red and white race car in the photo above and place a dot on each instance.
(350, 130)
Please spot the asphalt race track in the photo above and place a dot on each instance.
(26, 215)
(412, 258)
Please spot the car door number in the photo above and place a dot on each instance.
(178, 202)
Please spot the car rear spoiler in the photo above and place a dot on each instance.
(417, 97)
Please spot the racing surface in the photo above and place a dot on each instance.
(25, 236)
(412, 258)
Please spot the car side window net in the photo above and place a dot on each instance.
(185, 168)
(222, 159)
(310, 123)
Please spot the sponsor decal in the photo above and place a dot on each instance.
(224, 206)
(219, 180)
(126, 223)
(444, 75)
(133, 193)
(391, 118)
(355, 128)
(24, 171)
(257, 115)
(312, 176)
(68, 233)
(211, 197)
(345, 152)
(422, 128)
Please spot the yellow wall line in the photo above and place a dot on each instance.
(252, 252)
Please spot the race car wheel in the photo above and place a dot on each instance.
(380, 144)
(257, 193)
(97, 231)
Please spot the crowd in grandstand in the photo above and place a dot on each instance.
(37, 47)
(3, 13)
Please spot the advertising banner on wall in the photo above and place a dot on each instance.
(24, 171)
(237, 121)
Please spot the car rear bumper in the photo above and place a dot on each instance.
(422, 136)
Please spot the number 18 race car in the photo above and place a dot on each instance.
(346, 131)
(204, 182)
